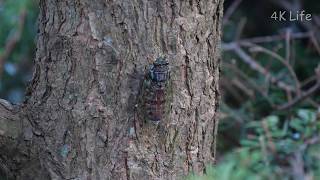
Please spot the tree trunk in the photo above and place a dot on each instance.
(80, 120)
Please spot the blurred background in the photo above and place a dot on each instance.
(269, 113)
(18, 30)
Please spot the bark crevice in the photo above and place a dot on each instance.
(18, 156)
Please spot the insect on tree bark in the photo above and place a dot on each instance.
(77, 120)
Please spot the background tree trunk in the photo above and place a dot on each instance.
(80, 122)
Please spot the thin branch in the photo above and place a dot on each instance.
(304, 95)
(313, 103)
(272, 38)
(297, 166)
(308, 81)
(255, 66)
(256, 48)
(237, 82)
(228, 87)
(231, 10)
(271, 144)
(240, 28)
(288, 37)
(250, 82)
(298, 99)
(315, 42)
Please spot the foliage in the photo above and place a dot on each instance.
(274, 148)
(267, 131)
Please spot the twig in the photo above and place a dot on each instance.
(317, 20)
(231, 10)
(298, 99)
(242, 87)
(252, 63)
(308, 80)
(271, 144)
(297, 165)
(272, 38)
(304, 95)
(313, 103)
(227, 86)
(288, 37)
(315, 42)
(233, 113)
(283, 61)
(12, 41)
(240, 28)
(250, 82)
(255, 66)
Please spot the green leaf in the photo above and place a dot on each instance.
(307, 115)
(297, 125)
(272, 120)
(249, 143)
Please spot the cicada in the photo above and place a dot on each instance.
(155, 91)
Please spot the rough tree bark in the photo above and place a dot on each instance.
(79, 120)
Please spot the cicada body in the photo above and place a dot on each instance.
(155, 90)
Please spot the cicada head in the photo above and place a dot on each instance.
(159, 71)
